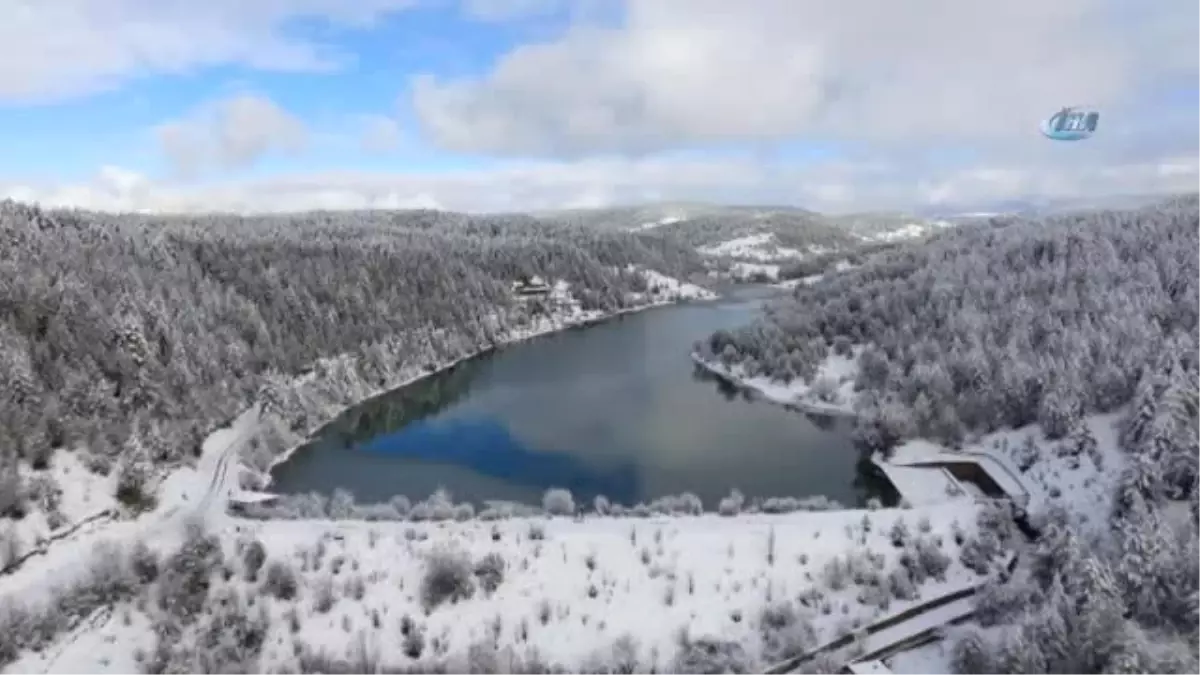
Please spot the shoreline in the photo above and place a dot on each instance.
(806, 407)
(517, 338)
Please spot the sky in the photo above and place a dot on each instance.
(500, 105)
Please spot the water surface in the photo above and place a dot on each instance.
(615, 409)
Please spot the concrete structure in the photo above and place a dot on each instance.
(866, 668)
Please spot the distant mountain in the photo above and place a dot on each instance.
(773, 231)
(1041, 206)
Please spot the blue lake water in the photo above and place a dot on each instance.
(616, 409)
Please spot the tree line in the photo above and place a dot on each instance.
(133, 334)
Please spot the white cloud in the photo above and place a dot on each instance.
(60, 48)
(230, 133)
(380, 134)
(678, 73)
(832, 187)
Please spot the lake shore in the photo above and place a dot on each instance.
(685, 293)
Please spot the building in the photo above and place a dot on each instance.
(866, 668)
(530, 287)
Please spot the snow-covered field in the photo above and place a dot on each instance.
(762, 247)
(566, 590)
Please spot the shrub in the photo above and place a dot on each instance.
(281, 581)
(489, 570)
(601, 504)
(253, 558)
(144, 563)
(558, 502)
(711, 655)
(323, 596)
(185, 582)
(448, 577)
(731, 505)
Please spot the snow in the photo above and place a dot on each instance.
(652, 577)
(1080, 486)
(922, 485)
(665, 220)
(868, 668)
(948, 613)
(761, 247)
(840, 371)
(82, 494)
(745, 270)
(189, 491)
(909, 231)
(930, 658)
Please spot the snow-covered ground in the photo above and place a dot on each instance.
(762, 247)
(1081, 484)
(62, 495)
(201, 490)
(838, 267)
(909, 231)
(569, 588)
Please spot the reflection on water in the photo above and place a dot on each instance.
(617, 409)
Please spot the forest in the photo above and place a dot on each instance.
(135, 335)
(1023, 321)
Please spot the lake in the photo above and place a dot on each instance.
(616, 408)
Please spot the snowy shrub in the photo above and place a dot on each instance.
(784, 632)
(618, 658)
(439, 506)
(537, 531)
(874, 504)
(842, 346)
(972, 655)
(132, 488)
(558, 502)
(681, 504)
(712, 655)
(601, 505)
(997, 517)
(413, 640)
(143, 562)
(341, 505)
(382, 512)
(187, 575)
(930, 558)
(731, 505)
(401, 504)
(836, 573)
(899, 533)
(978, 552)
(489, 570)
(448, 577)
(323, 595)
(1027, 454)
(901, 584)
(231, 636)
(12, 492)
(281, 581)
(10, 545)
(1001, 602)
(464, 512)
(253, 557)
(640, 510)
(825, 389)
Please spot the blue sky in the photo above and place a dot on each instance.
(488, 104)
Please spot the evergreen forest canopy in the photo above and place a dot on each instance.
(1003, 325)
(156, 328)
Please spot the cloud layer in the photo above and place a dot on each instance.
(832, 187)
(927, 102)
(683, 72)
